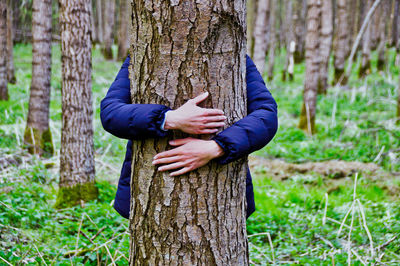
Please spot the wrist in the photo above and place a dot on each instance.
(218, 151)
(169, 120)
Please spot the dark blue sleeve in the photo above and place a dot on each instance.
(126, 120)
(257, 129)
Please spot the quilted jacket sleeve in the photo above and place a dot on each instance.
(126, 120)
(257, 129)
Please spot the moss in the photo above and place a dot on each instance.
(39, 142)
(71, 196)
(303, 125)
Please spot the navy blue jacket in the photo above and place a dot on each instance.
(139, 121)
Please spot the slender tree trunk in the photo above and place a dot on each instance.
(251, 18)
(3, 51)
(342, 46)
(300, 9)
(198, 218)
(352, 11)
(109, 16)
(37, 133)
(396, 22)
(365, 68)
(10, 44)
(290, 41)
(261, 34)
(123, 32)
(383, 18)
(375, 28)
(313, 63)
(272, 39)
(398, 102)
(326, 43)
(99, 16)
(77, 173)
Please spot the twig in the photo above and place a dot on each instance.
(272, 247)
(387, 243)
(77, 236)
(371, 243)
(5, 261)
(40, 254)
(98, 233)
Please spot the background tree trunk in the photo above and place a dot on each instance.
(123, 31)
(77, 173)
(365, 67)
(3, 51)
(307, 116)
(99, 16)
(383, 19)
(272, 38)
(37, 133)
(325, 48)
(396, 22)
(261, 35)
(342, 46)
(109, 20)
(290, 40)
(10, 44)
(299, 23)
(198, 218)
(251, 18)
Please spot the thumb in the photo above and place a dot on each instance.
(179, 142)
(200, 98)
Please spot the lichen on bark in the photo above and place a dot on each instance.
(71, 196)
(39, 142)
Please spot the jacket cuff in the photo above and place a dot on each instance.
(227, 157)
(159, 121)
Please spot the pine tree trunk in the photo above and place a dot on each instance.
(342, 46)
(109, 16)
(3, 51)
(10, 45)
(77, 173)
(365, 67)
(251, 18)
(272, 39)
(123, 31)
(313, 64)
(261, 35)
(37, 133)
(325, 48)
(198, 218)
(287, 72)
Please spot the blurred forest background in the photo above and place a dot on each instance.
(327, 187)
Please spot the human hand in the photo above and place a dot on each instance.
(192, 119)
(189, 155)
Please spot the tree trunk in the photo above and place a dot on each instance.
(261, 34)
(99, 17)
(123, 32)
(299, 23)
(375, 27)
(342, 46)
(325, 48)
(251, 18)
(10, 45)
(37, 133)
(365, 67)
(398, 102)
(109, 16)
(3, 51)
(287, 72)
(313, 63)
(396, 22)
(272, 39)
(77, 173)
(198, 218)
(383, 19)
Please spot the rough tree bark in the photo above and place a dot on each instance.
(123, 31)
(287, 72)
(109, 20)
(10, 44)
(37, 133)
(77, 172)
(261, 35)
(313, 62)
(3, 51)
(251, 18)
(342, 45)
(325, 47)
(299, 22)
(272, 39)
(181, 48)
(365, 67)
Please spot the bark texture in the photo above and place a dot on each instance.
(179, 49)
(3, 51)
(37, 133)
(326, 36)
(109, 16)
(261, 34)
(272, 39)
(77, 172)
(10, 44)
(123, 31)
(365, 67)
(307, 116)
(342, 46)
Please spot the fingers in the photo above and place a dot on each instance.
(219, 118)
(200, 98)
(166, 154)
(181, 171)
(213, 112)
(171, 166)
(179, 142)
(208, 131)
(166, 160)
(214, 125)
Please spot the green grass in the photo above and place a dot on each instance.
(291, 212)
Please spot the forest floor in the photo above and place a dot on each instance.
(320, 200)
